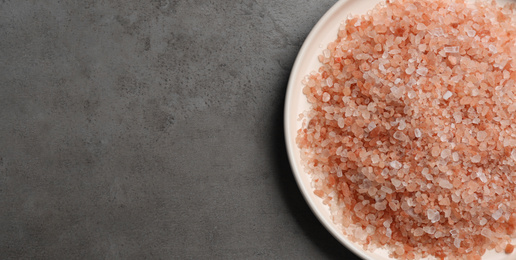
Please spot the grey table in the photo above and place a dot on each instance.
(151, 130)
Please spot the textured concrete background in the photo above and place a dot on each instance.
(151, 130)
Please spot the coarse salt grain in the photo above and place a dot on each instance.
(396, 165)
(447, 95)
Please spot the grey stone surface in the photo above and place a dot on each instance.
(151, 130)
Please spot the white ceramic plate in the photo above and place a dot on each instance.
(323, 33)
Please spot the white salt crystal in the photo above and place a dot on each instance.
(429, 230)
(482, 176)
(341, 122)
(402, 125)
(452, 49)
(455, 156)
(386, 189)
(371, 126)
(360, 234)
(418, 232)
(326, 97)
(513, 154)
(326, 53)
(445, 184)
(455, 198)
(417, 133)
(471, 33)
(483, 221)
(492, 48)
(431, 214)
(375, 158)
(380, 205)
(387, 223)
(456, 242)
(411, 94)
(396, 92)
(497, 214)
(396, 182)
(388, 232)
(486, 232)
(421, 26)
(447, 95)
(445, 153)
(385, 172)
(396, 165)
(399, 136)
(422, 71)
(476, 159)
(370, 229)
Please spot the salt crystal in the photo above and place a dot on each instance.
(410, 70)
(380, 205)
(422, 71)
(429, 230)
(458, 117)
(399, 136)
(326, 53)
(326, 97)
(455, 156)
(456, 242)
(497, 214)
(445, 153)
(453, 49)
(445, 184)
(387, 223)
(513, 154)
(360, 234)
(447, 95)
(396, 182)
(476, 159)
(493, 49)
(370, 229)
(417, 133)
(387, 190)
(375, 158)
(471, 33)
(455, 198)
(481, 136)
(396, 92)
(433, 215)
(385, 172)
(396, 165)
(341, 122)
(421, 26)
(402, 125)
(411, 94)
(481, 176)
(418, 232)
(371, 126)
(388, 232)
(486, 232)
(483, 221)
